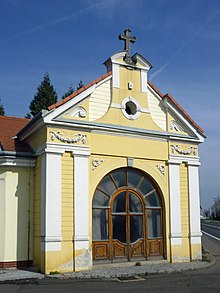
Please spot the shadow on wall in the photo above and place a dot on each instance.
(24, 201)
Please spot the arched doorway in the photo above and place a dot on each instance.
(127, 217)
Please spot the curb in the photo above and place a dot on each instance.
(136, 271)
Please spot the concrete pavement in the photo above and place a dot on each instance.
(122, 270)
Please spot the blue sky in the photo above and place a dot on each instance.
(71, 39)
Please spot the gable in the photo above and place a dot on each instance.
(125, 100)
(156, 109)
(94, 106)
(164, 117)
(99, 101)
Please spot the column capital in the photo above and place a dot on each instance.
(80, 151)
(174, 162)
(60, 148)
(194, 162)
(175, 159)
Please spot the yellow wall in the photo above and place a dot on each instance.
(37, 212)
(18, 205)
(67, 255)
(128, 147)
(2, 213)
(184, 202)
(38, 139)
(115, 116)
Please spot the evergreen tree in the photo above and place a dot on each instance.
(69, 92)
(45, 96)
(28, 116)
(80, 84)
(2, 111)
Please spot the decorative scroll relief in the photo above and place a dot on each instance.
(178, 149)
(78, 137)
(161, 168)
(96, 163)
(175, 126)
(79, 112)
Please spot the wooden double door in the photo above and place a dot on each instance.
(127, 226)
(127, 217)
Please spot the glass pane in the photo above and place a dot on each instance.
(100, 199)
(153, 221)
(135, 204)
(99, 224)
(107, 185)
(119, 228)
(119, 204)
(134, 178)
(146, 186)
(136, 228)
(152, 200)
(119, 177)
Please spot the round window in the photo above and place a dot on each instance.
(131, 108)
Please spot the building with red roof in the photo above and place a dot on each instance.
(108, 174)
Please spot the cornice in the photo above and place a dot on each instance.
(14, 161)
(122, 130)
(60, 148)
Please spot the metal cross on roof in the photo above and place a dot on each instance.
(127, 39)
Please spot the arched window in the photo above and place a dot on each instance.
(127, 216)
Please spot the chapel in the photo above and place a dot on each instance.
(108, 174)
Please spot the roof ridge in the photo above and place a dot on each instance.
(155, 88)
(79, 91)
(13, 118)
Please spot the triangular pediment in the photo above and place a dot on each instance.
(179, 121)
(124, 99)
(88, 104)
(163, 117)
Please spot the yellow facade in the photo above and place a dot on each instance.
(184, 200)
(37, 213)
(67, 251)
(119, 122)
(16, 215)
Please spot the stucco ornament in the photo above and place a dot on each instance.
(78, 137)
(96, 163)
(188, 151)
(161, 168)
(79, 112)
(175, 126)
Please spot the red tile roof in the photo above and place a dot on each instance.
(168, 96)
(9, 127)
(82, 89)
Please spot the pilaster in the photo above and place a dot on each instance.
(51, 200)
(175, 208)
(83, 252)
(194, 210)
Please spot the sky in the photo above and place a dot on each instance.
(71, 39)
